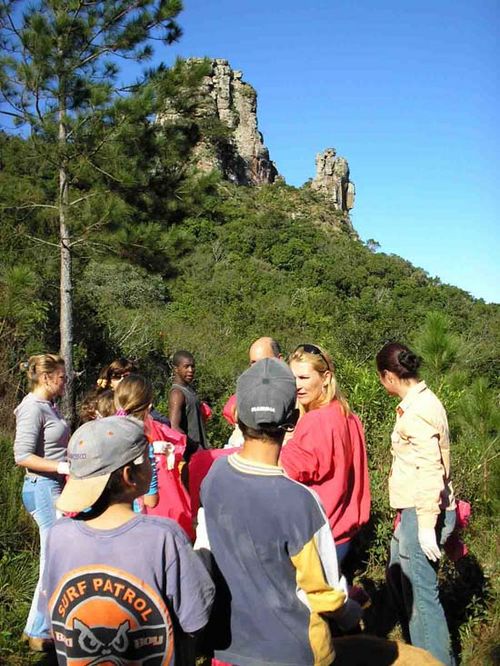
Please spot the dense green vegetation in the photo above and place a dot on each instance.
(167, 257)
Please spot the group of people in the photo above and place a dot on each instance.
(249, 566)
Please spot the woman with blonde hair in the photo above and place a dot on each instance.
(133, 396)
(40, 447)
(327, 449)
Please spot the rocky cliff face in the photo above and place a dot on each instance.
(225, 107)
(332, 178)
(241, 155)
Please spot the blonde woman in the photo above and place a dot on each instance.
(327, 450)
(40, 448)
(133, 397)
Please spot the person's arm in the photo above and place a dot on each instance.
(37, 464)
(299, 457)
(322, 597)
(176, 402)
(151, 498)
(190, 586)
(317, 575)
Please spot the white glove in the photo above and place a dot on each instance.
(428, 543)
(167, 449)
(63, 468)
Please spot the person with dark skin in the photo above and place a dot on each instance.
(183, 404)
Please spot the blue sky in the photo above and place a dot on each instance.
(406, 90)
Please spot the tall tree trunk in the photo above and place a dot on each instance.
(66, 286)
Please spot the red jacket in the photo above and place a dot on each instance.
(327, 453)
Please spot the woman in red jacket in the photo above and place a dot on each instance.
(327, 449)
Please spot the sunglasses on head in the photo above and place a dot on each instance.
(119, 374)
(312, 349)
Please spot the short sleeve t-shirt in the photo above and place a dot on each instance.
(40, 430)
(113, 595)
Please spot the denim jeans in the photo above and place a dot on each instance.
(413, 584)
(39, 497)
(342, 551)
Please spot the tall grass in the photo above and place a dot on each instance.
(18, 559)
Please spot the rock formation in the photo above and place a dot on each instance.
(225, 111)
(239, 151)
(332, 178)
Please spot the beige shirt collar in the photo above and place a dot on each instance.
(410, 397)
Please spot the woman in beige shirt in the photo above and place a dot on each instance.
(421, 491)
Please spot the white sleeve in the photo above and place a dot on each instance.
(328, 556)
(202, 540)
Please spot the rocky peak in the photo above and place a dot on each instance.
(242, 156)
(332, 178)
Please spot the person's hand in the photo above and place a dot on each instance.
(63, 468)
(347, 617)
(428, 543)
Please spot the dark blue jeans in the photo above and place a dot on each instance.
(342, 551)
(413, 584)
(39, 497)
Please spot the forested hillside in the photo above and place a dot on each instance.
(210, 265)
(165, 257)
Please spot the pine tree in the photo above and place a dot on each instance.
(440, 347)
(59, 81)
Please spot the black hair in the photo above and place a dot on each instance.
(275, 347)
(272, 434)
(180, 356)
(114, 491)
(399, 359)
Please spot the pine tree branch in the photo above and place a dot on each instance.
(13, 27)
(106, 26)
(105, 173)
(41, 240)
(12, 114)
(87, 230)
(80, 199)
(30, 205)
(78, 126)
(77, 12)
(37, 104)
(132, 329)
